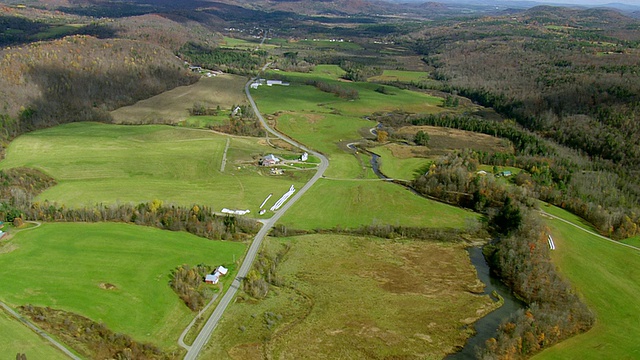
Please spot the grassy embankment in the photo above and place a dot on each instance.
(64, 265)
(342, 299)
(606, 274)
(96, 163)
(327, 123)
(16, 338)
(173, 106)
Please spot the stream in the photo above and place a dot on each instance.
(487, 326)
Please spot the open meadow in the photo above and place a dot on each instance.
(347, 297)
(173, 106)
(73, 267)
(17, 338)
(606, 275)
(353, 203)
(97, 163)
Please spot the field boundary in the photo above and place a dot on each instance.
(39, 331)
(544, 213)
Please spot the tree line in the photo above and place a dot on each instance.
(519, 256)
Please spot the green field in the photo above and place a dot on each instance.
(17, 338)
(607, 276)
(97, 163)
(352, 203)
(62, 265)
(401, 76)
(351, 297)
(396, 168)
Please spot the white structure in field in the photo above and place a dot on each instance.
(552, 245)
(284, 198)
(304, 157)
(235, 212)
(270, 160)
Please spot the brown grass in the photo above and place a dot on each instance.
(173, 106)
(359, 298)
(444, 140)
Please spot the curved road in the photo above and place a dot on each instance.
(212, 322)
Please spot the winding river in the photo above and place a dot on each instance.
(487, 326)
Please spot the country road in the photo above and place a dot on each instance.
(212, 322)
(544, 213)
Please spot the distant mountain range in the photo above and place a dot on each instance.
(623, 5)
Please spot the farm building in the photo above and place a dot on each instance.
(270, 160)
(215, 277)
(304, 157)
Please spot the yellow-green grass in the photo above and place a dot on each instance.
(62, 265)
(401, 76)
(306, 97)
(353, 203)
(204, 121)
(327, 45)
(634, 241)
(98, 163)
(606, 275)
(489, 169)
(173, 106)
(396, 168)
(17, 338)
(58, 31)
(357, 298)
(244, 44)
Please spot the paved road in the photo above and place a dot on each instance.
(207, 330)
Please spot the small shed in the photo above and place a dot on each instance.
(304, 157)
(222, 270)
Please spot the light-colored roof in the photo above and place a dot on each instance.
(222, 270)
(271, 157)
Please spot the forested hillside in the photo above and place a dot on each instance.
(571, 76)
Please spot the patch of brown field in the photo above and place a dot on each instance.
(246, 351)
(107, 286)
(425, 269)
(443, 140)
(401, 151)
(7, 248)
(173, 106)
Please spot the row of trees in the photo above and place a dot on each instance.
(342, 92)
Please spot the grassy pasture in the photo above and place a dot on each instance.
(17, 338)
(352, 203)
(97, 163)
(357, 298)
(401, 76)
(62, 265)
(173, 106)
(321, 44)
(606, 275)
(397, 167)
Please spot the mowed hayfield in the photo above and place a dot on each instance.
(347, 297)
(353, 203)
(67, 265)
(16, 338)
(98, 163)
(401, 161)
(173, 106)
(401, 76)
(607, 275)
